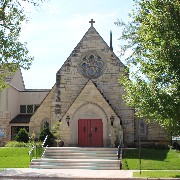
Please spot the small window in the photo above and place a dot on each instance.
(23, 109)
(29, 108)
(45, 123)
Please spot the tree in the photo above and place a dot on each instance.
(56, 133)
(13, 53)
(22, 136)
(46, 131)
(153, 35)
(56, 130)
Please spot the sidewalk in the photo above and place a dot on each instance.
(29, 173)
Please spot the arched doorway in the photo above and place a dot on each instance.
(88, 123)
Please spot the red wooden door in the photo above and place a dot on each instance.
(90, 133)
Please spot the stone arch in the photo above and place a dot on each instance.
(89, 111)
(45, 120)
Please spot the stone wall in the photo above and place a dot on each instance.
(4, 128)
(90, 104)
(42, 114)
(70, 81)
(155, 134)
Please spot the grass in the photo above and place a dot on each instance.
(158, 174)
(151, 159)
(14, 157)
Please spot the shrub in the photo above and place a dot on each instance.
(44, 133)
(22, 136)
(22, 144)
(17, 144)
(176, 146)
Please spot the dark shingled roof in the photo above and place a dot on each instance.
(21, 118)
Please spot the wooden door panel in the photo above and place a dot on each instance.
(90, 133)
(97, 133)
(83, 132)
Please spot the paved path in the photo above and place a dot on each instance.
(29, 173)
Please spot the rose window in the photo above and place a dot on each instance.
(91, 65)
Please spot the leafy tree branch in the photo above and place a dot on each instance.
(153, 35)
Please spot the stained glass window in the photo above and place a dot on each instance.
(91, 65)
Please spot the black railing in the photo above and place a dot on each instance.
(32, 153)
(42, 155)
(119, 155)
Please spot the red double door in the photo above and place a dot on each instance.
(90, 133)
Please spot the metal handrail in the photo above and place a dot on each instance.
(119, 155)
(30, 152)
(118, 152)
(43, 146)
(44, 151)
(44, 140)
(37, 149)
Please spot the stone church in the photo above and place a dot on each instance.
(86, 99)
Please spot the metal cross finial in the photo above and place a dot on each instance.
(91, 21)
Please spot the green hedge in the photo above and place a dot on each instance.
(22, 144)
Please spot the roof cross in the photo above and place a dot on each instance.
(91, 21)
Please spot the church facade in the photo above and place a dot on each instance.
(86, 99)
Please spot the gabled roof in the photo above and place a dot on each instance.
(107, 101)
(91, 31)
(47, 95)
(87, 88)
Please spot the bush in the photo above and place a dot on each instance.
(22, 144)
(22, 136)
(17, 144)
(176, 146)
(44, 133)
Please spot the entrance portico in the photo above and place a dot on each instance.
(90, 124)
(91, 112)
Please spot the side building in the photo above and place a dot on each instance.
(17, 105)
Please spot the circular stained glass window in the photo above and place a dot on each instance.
(91, 65)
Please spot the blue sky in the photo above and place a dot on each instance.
(55, 29)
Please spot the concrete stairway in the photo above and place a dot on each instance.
(78, 158)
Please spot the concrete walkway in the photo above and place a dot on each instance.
(29, 173)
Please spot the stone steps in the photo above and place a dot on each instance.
(78, 158)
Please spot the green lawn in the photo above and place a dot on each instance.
(151, 159)
(157, 174)
(14, 157)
